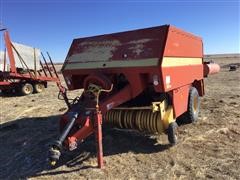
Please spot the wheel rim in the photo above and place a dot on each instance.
(173, 133)
(27, 89)
(39, 87)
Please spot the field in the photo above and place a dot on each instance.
(207, 149)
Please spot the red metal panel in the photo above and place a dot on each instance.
(76, 77)
(116, 99)
(28, 77)
(180, 100)
(152, 40)
(181, 75)
(182, 44)
(4, 83)
(129, 45)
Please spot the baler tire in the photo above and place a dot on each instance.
(191, 115)
(38, 87)
(26, 89)
(193, 106)
(172, 133)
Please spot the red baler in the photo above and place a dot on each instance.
(142, 79)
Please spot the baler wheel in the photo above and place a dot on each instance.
(38, 87)
(26, 89)
(172, 133)
(193, 106)
(191, 115)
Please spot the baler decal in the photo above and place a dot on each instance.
(179, 61)
(114, 64)
(97, 50)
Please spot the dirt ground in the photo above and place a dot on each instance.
(207, 149)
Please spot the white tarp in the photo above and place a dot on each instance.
(1, 60)
(1, 56)
(27, 54)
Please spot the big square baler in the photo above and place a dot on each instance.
(142, 79)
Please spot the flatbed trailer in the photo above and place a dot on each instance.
(24, 80)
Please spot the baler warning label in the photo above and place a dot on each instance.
(110, 105)
(168, 82)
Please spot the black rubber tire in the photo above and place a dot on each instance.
(172, 133)
(193, 106)
(191, 116)
(38, 87)
(26, 89)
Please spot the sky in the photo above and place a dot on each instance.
(51, 25)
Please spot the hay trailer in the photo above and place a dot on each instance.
(142, 79)
(25, 73)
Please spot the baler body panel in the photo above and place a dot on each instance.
(183, 59)
(140, 44)
(182, 44)
(164, 51)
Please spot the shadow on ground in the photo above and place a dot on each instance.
(24, 147)
(9, 94)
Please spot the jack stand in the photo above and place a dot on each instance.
(98, 136)
(96, 90)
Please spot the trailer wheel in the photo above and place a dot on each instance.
(38, 87)
(27, 89)
(172, 133)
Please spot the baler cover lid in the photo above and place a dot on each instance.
(137, 48)
(129, 45)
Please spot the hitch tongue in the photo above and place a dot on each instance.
(54, 153)
(56, 147)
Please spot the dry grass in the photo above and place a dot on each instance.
(208, 149)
